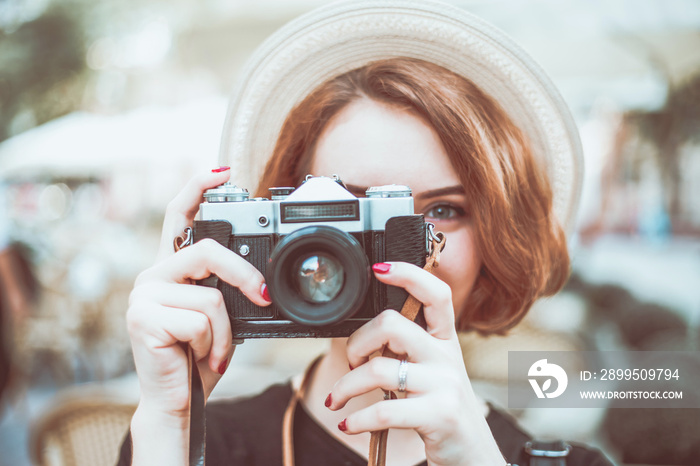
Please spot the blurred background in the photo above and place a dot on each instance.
(106, 108)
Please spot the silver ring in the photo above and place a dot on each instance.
(403, 372)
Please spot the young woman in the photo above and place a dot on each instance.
(474, 173)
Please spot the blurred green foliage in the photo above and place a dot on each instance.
(42, 70)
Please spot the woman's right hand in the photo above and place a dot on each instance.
(167, 312)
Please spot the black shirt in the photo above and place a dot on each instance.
(249, 432)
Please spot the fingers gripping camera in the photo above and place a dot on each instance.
(315, 246)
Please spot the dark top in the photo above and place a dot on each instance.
(249, 432)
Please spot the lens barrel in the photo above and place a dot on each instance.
(318, 275)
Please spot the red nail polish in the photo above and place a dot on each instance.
(222, 366)
(329, 400)
(265, 294)
(381, 267)
(342, 425)
(350, 366)
(220, 169)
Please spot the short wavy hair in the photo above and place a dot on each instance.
(522, 244)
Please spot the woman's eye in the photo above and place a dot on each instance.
(444, 212)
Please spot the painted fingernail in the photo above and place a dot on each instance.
(342, 425)
(350, 366)
(222, 367)
(220, 169)
(381, 267)
(329, 400)
(265, 294)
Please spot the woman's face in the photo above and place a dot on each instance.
(373, 144)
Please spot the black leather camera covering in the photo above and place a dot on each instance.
(405, 242)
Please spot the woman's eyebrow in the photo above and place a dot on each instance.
(446, 191)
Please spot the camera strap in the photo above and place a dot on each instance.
(410, 309)
(288, 420)
(198, 423)
(197, 413)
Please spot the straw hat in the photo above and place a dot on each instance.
(346, 35)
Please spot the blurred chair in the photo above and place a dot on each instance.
(86, 424)
(84, 427)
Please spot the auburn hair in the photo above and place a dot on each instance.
(522, 245)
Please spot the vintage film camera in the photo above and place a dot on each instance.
(315, 246)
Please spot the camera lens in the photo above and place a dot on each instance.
(318, 275)
(320, 278)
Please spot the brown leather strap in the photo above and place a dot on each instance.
(288, 420)
(197, 413)
(410, 309)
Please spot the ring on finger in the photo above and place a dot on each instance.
(403, 373)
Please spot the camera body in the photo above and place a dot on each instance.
(315, 246)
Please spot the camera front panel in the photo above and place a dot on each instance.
(404, 239)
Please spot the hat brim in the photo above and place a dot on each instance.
(337, 38)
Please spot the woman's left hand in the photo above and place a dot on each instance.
(440, 403)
